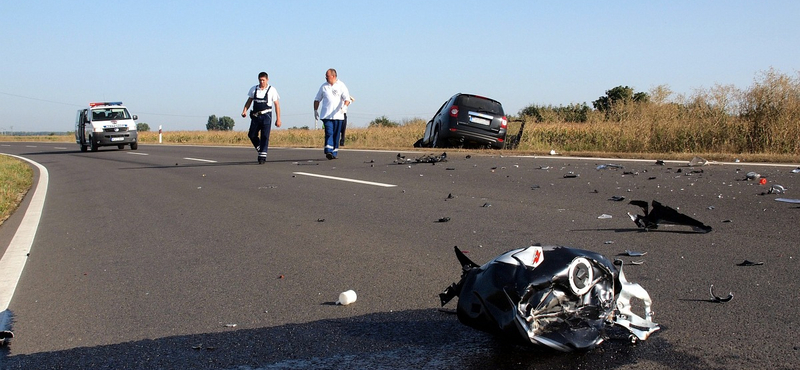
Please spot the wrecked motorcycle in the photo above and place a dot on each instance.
(559, 297)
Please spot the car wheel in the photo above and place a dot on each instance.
(418, 143)
(435, 140)
(93, 143)
(134, 146)
(84, 148)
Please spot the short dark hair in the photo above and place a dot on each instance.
(263, 74)
(333, 72)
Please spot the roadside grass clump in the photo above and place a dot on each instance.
(761, 120)
(16, 178)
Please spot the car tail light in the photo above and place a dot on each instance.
(454, 111)
(504, 122)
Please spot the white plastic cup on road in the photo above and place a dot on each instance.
(345, 298)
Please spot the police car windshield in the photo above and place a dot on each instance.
(109, 114)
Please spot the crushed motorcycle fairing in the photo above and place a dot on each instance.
(559, 297)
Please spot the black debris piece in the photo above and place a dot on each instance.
(485, 205)
(617, 198)
(320, 220)
(444, 219)
(749, 263)
(664, 215)
(659, 162)
(717, 299)
(430, 158)
(570, 175)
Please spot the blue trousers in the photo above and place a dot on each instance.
(261, 124)
(333, 128)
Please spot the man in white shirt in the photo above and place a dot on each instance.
(265, 99)
(331, 100)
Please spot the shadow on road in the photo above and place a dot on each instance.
(395, 340)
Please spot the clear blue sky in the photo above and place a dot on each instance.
(174, 63)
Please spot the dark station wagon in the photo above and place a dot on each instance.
(466, 119)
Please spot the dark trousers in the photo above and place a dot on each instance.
(261, 124)
(333, 128)
(344, 127)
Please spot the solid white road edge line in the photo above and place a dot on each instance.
(13, 261)
(345, 179)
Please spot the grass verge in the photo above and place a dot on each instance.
(16, 178)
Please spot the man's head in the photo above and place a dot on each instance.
(330, 76)
(263, 77)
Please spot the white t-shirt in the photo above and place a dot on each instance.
(332, 98)
(271, 99)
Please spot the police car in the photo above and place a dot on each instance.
(105, 124)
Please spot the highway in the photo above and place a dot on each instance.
(194, 257)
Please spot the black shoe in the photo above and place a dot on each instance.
(262, 160)
(329, 156)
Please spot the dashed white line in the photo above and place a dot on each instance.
(200, 160)
(135, 153)
(345, 179)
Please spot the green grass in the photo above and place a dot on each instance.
(16, 178)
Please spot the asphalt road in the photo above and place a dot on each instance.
(188, 257)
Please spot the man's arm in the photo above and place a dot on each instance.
(246, 107)
(277, 114)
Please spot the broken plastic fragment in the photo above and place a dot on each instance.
(604, 216)
(633, 253)
(609, 165)
(639, 326)
(749, 263)
(617, 198)
(570, 175)
(776, 189)
(444, 219)
(698, 161)
(788, 200)
(715, 298)
(752, 176)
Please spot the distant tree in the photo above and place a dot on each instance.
(226, 123)
(213, 123)
(299, 128)
(142, 127)
(223, 123)
(383, 121)
(619, 95)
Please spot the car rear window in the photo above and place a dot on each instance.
(480, 104)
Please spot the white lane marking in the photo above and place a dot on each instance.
(200, 160)
(138, 153)
(31, 146)
(13, 261)
(59, 147)
(345, 179)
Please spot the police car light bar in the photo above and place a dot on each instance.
(105, 103)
